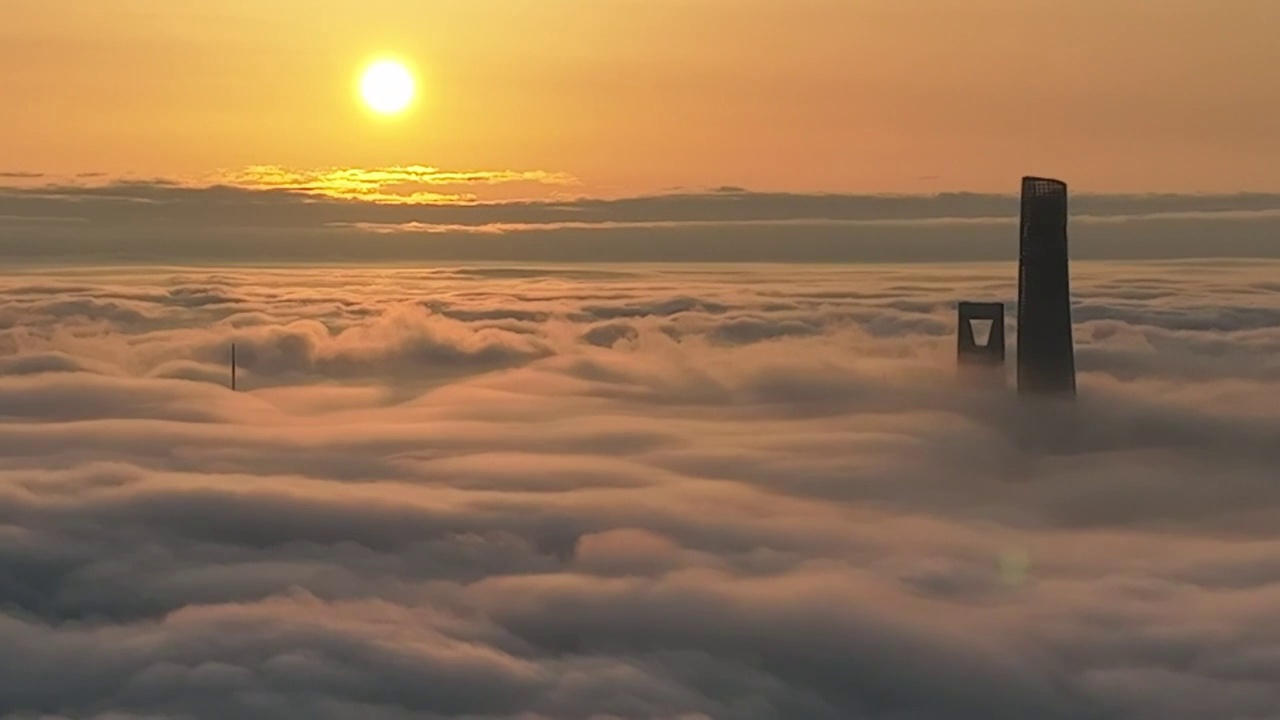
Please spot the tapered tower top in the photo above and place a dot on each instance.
(1040, 186)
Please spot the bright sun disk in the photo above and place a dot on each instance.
(387, 87)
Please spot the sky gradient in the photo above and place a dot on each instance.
(638, 96)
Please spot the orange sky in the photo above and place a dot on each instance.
(639, 95)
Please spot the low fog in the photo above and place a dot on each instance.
(632, 492)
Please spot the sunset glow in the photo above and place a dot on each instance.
(639, 359)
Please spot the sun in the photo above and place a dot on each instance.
(387, 87)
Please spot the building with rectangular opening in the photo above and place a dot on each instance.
(980, 334)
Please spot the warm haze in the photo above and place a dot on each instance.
(634, 96)
(599, 360)
(631, 130)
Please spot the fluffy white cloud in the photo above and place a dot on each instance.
(612, 492)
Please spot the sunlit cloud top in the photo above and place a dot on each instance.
(404, 183)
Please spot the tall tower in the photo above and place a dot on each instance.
(980, 343)
(974, 347)
(1046, 355)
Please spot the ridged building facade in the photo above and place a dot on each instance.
(1046, 351)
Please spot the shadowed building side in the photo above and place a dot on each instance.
(1046, 353)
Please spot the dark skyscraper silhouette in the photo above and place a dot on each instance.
(974, 347)
(1046, 355)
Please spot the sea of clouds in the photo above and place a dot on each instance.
(600, 492)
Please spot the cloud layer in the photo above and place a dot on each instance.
(501, 491)
(419, 213)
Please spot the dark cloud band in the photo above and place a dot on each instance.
(171, 222)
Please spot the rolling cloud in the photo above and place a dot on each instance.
(511, 491)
